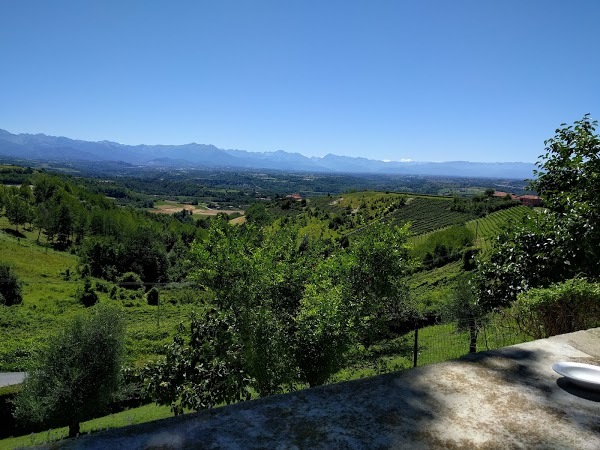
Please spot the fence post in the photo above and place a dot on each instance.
(416, 347)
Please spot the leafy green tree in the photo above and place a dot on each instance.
(268, 352)
(465, 310)
(44, 187)
(564, 240)
(2, 197)
(25, 193)
(203, 370)
(77, 374)
(18, 211)
(10, 286)
(568, 183)
(102, 255)
(323, 333)
(144, 253)
(376, 265)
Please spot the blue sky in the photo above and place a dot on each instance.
(422, 80)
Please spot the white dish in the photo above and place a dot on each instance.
(584, 375)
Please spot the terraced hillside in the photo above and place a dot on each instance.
(488, 228)
(428, 214)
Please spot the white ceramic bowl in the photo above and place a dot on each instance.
(584, 375)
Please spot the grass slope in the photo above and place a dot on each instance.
(427, 214)
(488, 228)
(49, 300)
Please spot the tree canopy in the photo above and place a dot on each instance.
(77, 374)
(561, 241)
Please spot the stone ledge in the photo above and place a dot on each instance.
(503, 398)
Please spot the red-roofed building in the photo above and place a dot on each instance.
(296, 197)
(531, 200)
(504, 194)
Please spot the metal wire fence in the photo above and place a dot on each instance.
(446, 341)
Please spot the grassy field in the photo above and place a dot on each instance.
(132, 416)
(49, 299)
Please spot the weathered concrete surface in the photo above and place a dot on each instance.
(10, 378)
(509, 398)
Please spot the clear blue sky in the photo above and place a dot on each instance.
(424, 80)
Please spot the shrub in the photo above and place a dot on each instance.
(131, 281)
(152, 297)
(88, 296)
(560, 308)
(101, 287)
(10, 286)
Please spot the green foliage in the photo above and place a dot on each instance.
(563, 241)
(529, 255)
(428, 214)
(18, 211)
(377, 262)
(87, 297)
(152, 297)
(483, 204)
(568, 183)
(10, 286)
(258, 214)
(268, 357)
(560, 308)
(464, 309)
(204, 370)
(131, 281)
(77, 374)
(441, 247)
(323, 333)
(569, 169)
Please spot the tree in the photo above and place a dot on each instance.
(10, 286)
(323, 333)
(2, 197)
(77, 374)
(18, 211)
(465, 309)
(564, 240)
(568, 182)
(204, 370)
(377, 261)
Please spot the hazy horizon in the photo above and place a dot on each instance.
(270, 151)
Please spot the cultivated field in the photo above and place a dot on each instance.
(171, 207)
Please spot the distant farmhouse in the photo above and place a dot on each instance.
(527, 200)
(296, 197)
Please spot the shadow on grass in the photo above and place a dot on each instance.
(14, 233)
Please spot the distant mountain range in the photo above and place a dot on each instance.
(52, 148)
